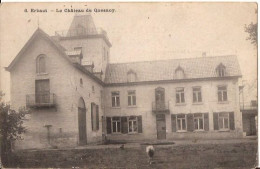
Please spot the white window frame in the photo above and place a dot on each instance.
(38, 64)
(132, 122)
(131, 98)
(116, 122)
(179, 93)
(196, 94)
(115, 97)
(177, 127)
(198, 121)
(222, 93)
(223, 120)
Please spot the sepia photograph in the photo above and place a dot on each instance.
(109, 85)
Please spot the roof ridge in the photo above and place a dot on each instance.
(164, 60)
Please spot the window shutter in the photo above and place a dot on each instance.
(92, 107)
(97, 117)
(206, 121)
(124, 126)
(231, 121)
(215, 120)
(190, 123)
(173, 117)
(139, 119)
(108, 125)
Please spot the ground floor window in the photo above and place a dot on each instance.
(190, 122)
(124, 124)
(198, 121)
(224, 121)
(132, 124)
(181, 122)
(116, 125)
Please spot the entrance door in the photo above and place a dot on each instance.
(82, 122)
(159, 98)
(42, 91)
(252, 126)
(161, 126)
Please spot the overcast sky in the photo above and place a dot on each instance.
(142, 31)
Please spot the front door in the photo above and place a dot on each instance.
(159, 98)
(82, 125)
(161, 126)
(252, 125)
(42, 91)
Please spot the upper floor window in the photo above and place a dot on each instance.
(179, 72)
(221, 70)
(41, 64)
(115, 99)
(131, 76)
(197, 95)
(93, 89)
(104, 53)
(180, 95)
(81, 82)
(222, 93)
(131, 98)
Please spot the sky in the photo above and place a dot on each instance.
(141, 31)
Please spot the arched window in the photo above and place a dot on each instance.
(41, 64)
(221, 70)
(131, 76)
(179, 73)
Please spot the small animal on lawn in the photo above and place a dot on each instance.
(150, 152)
(122, 146)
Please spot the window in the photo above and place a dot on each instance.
(115, 99)
(179, 72)
(222, 93)
(223, 121)
(198, 121)
(181, 122)
(94, 117)
(41, 64)
(180, 95)
(131, 98)
(131, 76)
(197, 95)
(81, 82)
(77, 48)
(132, 124)
(104, 53)
(93, 89)
(221, 70)
(116, 124)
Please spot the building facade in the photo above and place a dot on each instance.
(77, 97)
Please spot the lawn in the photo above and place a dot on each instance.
(200, 156)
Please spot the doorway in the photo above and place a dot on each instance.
(82, 122)
(161, 126)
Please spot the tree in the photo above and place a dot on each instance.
(11, 128)
(251, 29)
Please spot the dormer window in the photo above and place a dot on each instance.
(41, 64)
(179, 73)
(131, 76)
(221, 70)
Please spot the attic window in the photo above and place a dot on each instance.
(221, 70)
(41, 64)
(131, 76)
(179, 73)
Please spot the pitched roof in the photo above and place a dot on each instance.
(194, 68)
(61, 50)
